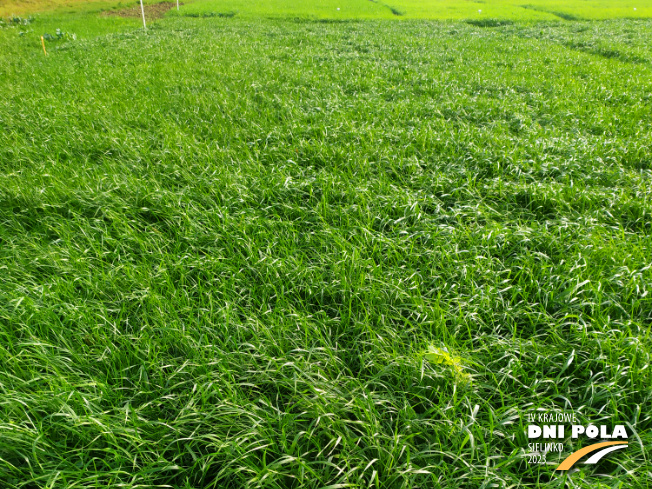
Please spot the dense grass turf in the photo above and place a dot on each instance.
(226, 243)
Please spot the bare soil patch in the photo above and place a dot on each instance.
(152, 11)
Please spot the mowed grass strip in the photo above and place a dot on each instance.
(226, 245)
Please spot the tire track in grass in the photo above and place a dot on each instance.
(393, 10)
(561, 15)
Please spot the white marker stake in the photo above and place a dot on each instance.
(142, 9)
(177, 5)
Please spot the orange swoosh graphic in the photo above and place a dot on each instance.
(575, 456)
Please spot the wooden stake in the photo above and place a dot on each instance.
(43, 44)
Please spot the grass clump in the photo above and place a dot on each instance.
(489, 22)
(226, 15)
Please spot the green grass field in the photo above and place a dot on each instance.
(376, 9)
(227, 244)
(428, 9)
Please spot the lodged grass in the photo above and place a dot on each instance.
(226, 244)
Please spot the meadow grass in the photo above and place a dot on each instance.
(369, 9)
(279, 253)
(426, 9)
